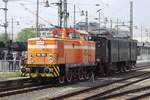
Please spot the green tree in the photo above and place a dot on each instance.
(3, 38)
(25, 34)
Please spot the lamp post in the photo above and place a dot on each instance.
(5, 24)
(117, 26)
(12, 24)
(60, 12)
(86, 20)
(111, 24)
(37, 19)
(99, 18)
(85, 13)
(74, 21)
(12, 28)
(141, 32)
(82, 13)
(131, 19)
(149, 33)
(65, 13)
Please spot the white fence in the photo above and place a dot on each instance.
(143, 57)
(15, 65)
(10, 65)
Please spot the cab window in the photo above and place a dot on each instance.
(58, 35)
(73, 35)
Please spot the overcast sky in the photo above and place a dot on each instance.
(110, 8)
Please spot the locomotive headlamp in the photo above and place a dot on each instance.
(89, 37)
(32, 61)
(99, 45)
(51, 58)
(38, 54)
(25, 70)
(98, 60)
(41, 54)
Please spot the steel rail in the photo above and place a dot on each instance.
(24, 90)
(12, 90)
(127, 92)
(99, 96)
(140, 96)
(99, 86)
(34, 88)
(9, 84)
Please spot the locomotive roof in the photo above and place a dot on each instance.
(42, 38)
(118, 38)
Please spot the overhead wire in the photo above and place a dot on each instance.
(30, 11)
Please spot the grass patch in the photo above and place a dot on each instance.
(10, 74)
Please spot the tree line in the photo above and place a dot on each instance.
(22, 36)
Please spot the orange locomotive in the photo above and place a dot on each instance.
(67, 54)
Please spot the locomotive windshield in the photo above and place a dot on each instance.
(73, 35)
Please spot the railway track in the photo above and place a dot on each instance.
(82, 94)
(144, 89)
(101, 96)
(17, 84)
(14, 87)
(4, 92)
(27, 81)
(142, 96)
(11, 84)
(142, 67)
(24, 90)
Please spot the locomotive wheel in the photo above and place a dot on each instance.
(69, 76)
(128, 68)
(101, 71)
(80, 76)
(76, 74)
(87, 76)
(117, 70)
(61, 79)
(120, 69)
(84, 74)
(133, 67)
(124, 68)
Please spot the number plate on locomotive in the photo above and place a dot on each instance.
(39, 42)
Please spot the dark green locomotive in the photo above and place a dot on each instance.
(115, 54)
